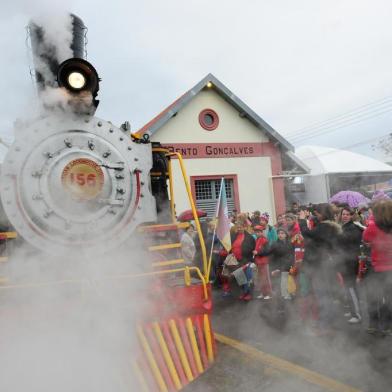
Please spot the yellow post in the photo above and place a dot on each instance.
(151, 360)
(172, 208)
(195, 348)
(181, 350)
(201, 277)
(187, 276)
(207, 334)
(167, 356)
(193, 207)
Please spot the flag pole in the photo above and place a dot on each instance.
(214, 233)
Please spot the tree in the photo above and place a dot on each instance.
(384, 144)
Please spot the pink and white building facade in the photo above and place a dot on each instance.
(219, 136)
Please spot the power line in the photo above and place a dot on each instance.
(353, 112)
(345, 123)
(311, 135)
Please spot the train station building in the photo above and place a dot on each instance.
(219, 136)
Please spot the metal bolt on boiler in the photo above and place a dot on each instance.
(68, 143)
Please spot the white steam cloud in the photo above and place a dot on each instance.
(65, 325)
(57, 34)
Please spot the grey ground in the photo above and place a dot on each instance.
(349, 355)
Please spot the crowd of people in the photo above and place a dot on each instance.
(314, 257)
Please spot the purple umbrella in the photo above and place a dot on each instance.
(380, 195)
(349, 197)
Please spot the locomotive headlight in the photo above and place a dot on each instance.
(78, 76)
(76, 80)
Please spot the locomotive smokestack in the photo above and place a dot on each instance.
(54, 42)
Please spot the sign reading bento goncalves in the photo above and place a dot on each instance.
(218, 150)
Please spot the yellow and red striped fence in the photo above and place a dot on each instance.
(174, 352)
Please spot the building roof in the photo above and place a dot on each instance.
(245, 111)
(325, 160)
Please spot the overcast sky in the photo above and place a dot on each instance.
(294, 62)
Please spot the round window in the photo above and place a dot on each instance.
(208, 119)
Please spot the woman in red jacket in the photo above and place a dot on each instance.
(378, 235)
(242, 245)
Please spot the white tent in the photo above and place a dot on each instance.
(333, 170)
(324, 160)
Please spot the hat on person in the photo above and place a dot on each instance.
(265, 216)
(258, 228)
(362, 206)
(283, 231)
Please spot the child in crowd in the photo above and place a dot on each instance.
(295, 236)
(268, 230)
(264, 281)
(280, 222)
(281, 254)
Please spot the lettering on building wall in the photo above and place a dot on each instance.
(211, 150)
(217, 150)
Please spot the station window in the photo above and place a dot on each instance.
(209, 119)
(206, 194)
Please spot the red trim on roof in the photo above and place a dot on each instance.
(145, 128)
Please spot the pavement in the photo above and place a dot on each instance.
(355, 360)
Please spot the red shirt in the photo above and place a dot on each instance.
(261, 242)
(236, 246)
(381, 247)
(298, 242)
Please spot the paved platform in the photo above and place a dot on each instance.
(238, 371)
(349, 356)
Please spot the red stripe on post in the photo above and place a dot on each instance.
(174, 354)
(187, 346)
(159, 357)
(200, 338)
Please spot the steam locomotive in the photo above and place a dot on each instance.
(71, 179)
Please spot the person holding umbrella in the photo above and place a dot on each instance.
(350, 242)
(321, 248)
